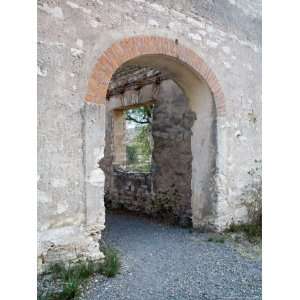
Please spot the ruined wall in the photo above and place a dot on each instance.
(172, 155)
(166, 192)
(129, 191)
(71, 37)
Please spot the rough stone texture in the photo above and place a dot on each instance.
(133, 78)
(166, 192)
(72, 36)
(130, 191)
(172, 156)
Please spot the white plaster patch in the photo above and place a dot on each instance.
(157, 7)
(79, 43)
(232, 2)
(202, 32)
(73, 5)
(58, 182)
(211, 44)
(248, 66)
(240, 213)
(226, 125)
(221, 33)
(238, 134)
(96, 177)
(175, 26)
(56, 44)
(94, 23)
(210, 29)
(153, 23)
(61, 208)
(250, 45)
(76, 52)
(72, 75)
(98, 153)
(226, 49)
(74, 87)
(56, 11)
(195, 22)
(85, 10)
(43, 197)
(177, 14)
(76, 6)
(227, 64)
(195, 36)
(41, 71)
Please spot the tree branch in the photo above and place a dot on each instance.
(129, 118)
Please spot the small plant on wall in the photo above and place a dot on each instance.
(252, 195)
(251, 198)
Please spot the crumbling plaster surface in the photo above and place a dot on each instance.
(71, 37)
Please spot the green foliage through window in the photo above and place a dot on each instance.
(139, 147)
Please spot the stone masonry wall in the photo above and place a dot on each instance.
(72, 35)
(172, 156)
(166, 191)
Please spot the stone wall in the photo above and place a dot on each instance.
(172, 155)
(72, 36)
(129, 191)
(166, 192)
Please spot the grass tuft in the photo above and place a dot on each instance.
(71, 289)
(112, 264)
(253, 232)
(216, 239)
(71, 277)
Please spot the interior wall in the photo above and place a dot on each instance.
(172, 154)
(204, 149)
(204, 136)
(165, 192)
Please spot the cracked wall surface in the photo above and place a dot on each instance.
(72, 35)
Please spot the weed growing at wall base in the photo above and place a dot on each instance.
(68, 280)
(252, 231)
(112, 264)
(252, 200)
(216, 239)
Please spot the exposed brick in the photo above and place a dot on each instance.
(132, 47)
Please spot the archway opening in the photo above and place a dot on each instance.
(161, 189)
(171, 189)
(196, 82)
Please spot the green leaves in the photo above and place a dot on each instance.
(70, 278)
(112, 264)
(140, 115)
(139, 150)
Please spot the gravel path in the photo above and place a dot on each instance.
(162, 262)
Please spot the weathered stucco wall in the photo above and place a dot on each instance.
(71, 37)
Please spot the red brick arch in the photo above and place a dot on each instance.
(132, 47)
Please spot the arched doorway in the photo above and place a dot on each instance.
(206, 100)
